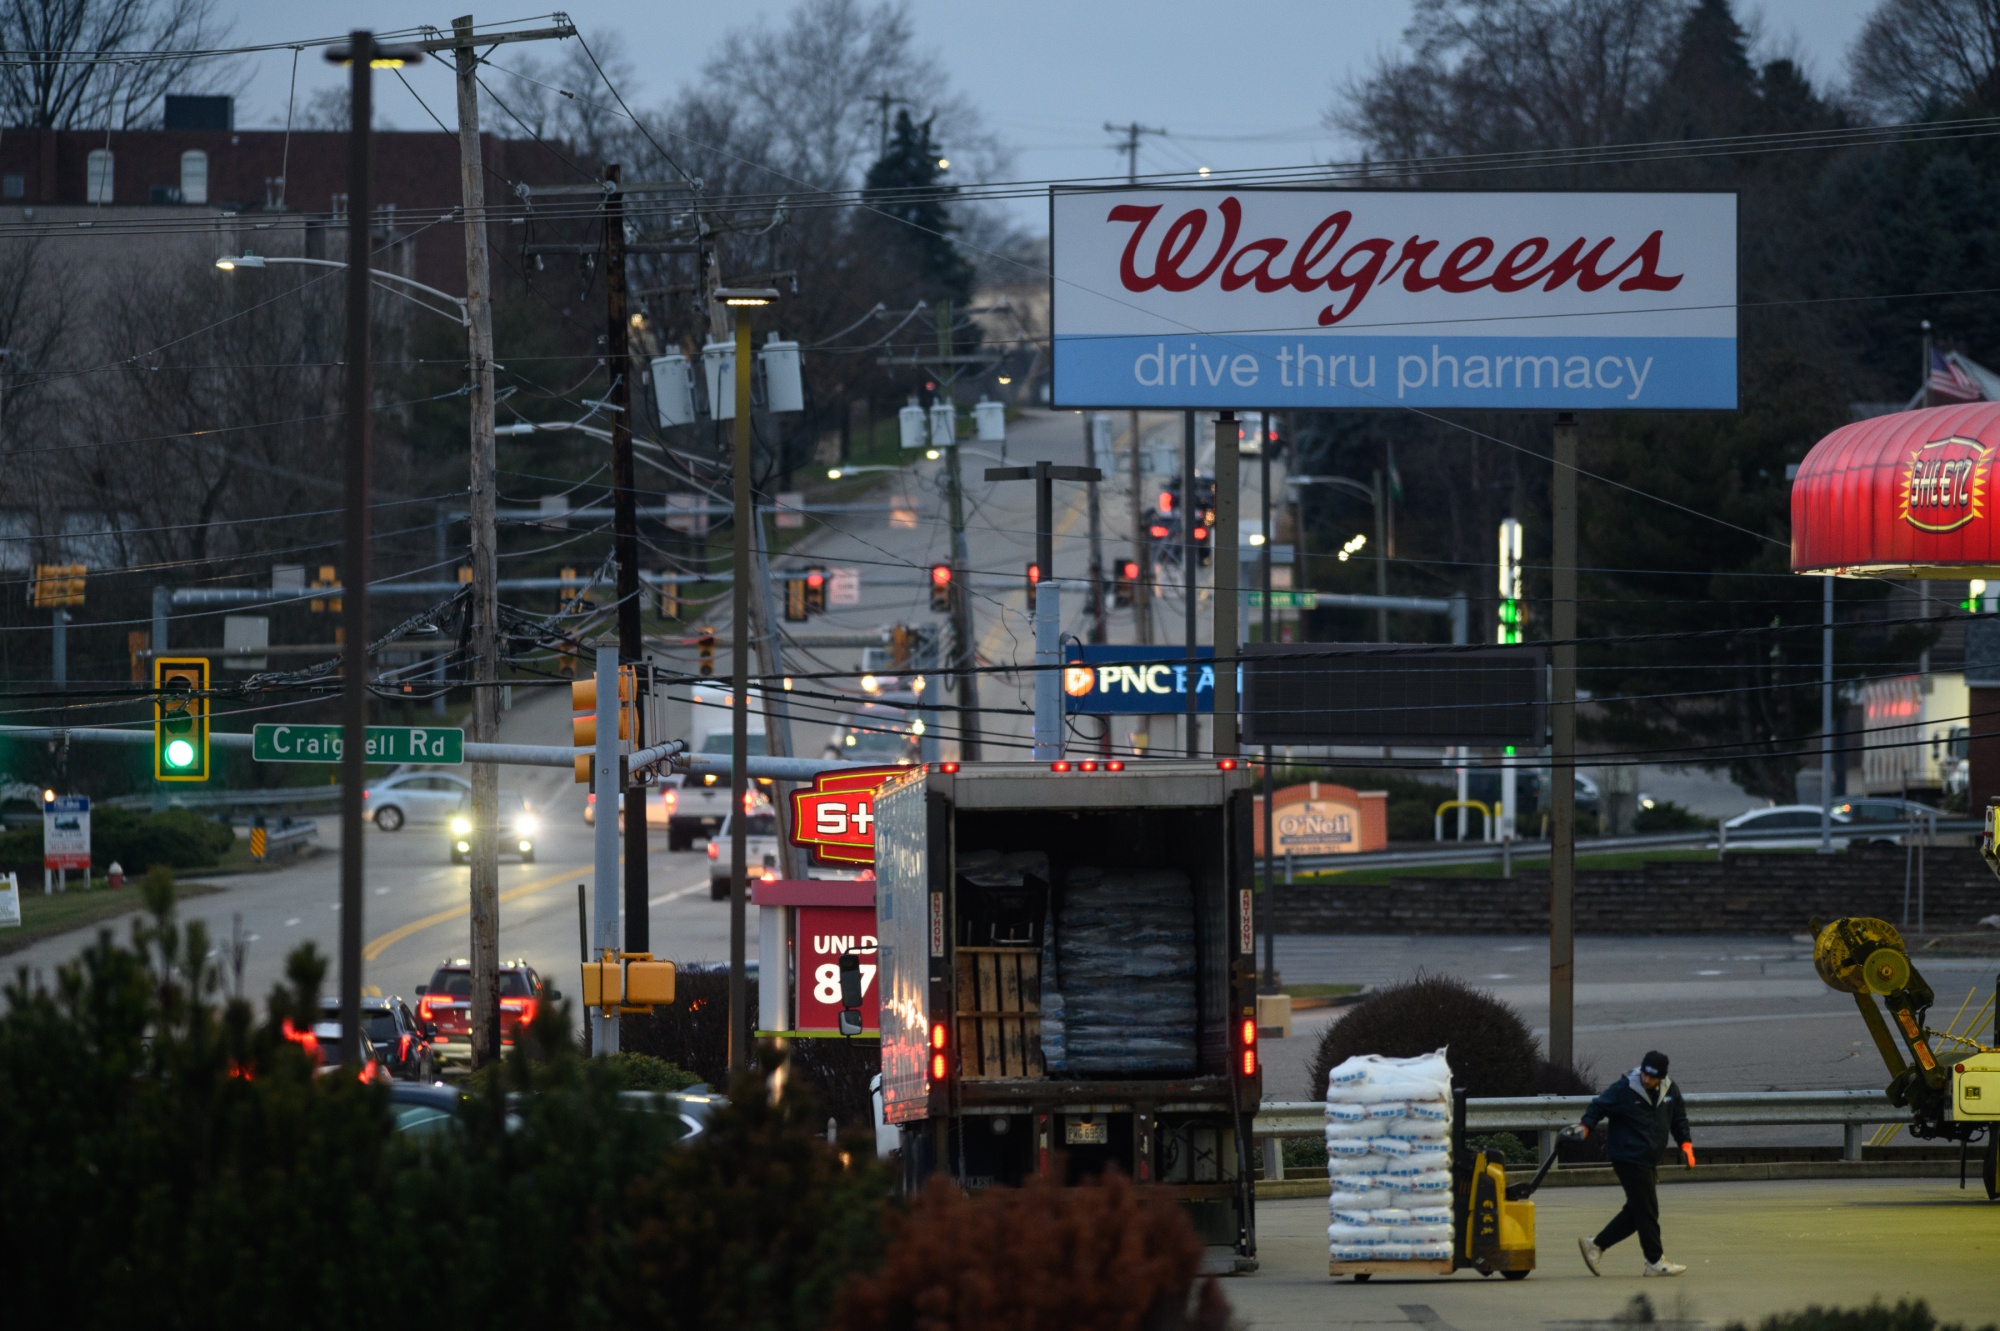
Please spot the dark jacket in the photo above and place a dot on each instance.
(1640, 1120)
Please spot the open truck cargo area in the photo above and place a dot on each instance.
(1068, 980)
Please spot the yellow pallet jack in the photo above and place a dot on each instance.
(1493, 1221)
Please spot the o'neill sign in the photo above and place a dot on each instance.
(1215, 299)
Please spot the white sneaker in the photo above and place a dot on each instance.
(1663, 1267)
(1591, 1252)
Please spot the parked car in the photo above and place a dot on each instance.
(424, 1108)
(1800, 818)
(402, 1044)
(444, 1005)
(321, 1042)
(760, 845)
(518, 826)
(1897, 818)
(413, 797)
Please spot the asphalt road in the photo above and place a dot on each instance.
(1751, 1249)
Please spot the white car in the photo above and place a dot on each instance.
(413, 797)
(1802, 820)
(760, 846)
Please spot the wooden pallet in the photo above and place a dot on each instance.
(1362, 1270)
(999, 1013)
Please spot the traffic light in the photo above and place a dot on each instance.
(56, 586)
(328, 577)
(795, 600)
(705, 644)
(583, 718)
(816, 590)
(670, 600)
(1124, 582)
(1510, 581)
(1034, 581)
(940, 589)
(180, 718)
(1975, 597)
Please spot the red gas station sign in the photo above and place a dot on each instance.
(1907, 494)
(824, 934)
(835, 819)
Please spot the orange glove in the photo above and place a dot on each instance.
(1687, 1152)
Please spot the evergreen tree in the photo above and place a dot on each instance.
(912, 212)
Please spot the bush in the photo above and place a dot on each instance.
(1905, 1316)
(1490, 1047)
(1037, 1258)
(692, 1033)
(643, 1072)
(177, 838)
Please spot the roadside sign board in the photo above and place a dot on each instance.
(386, 744)
(835, 819)
(824, 934)
(1137, 681)
(10, 902)
(66, 832)
(1361, 299)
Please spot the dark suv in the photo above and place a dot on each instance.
(444, 1005)
(399, 1039)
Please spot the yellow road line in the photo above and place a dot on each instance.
(377, 946)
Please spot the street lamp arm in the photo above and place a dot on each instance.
(1365, 491)
(230, 262)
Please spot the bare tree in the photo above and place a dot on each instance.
(1914, 56)
(62, 70)
(1505, 75)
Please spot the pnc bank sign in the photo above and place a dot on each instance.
(1213, 299)
(1119, 681)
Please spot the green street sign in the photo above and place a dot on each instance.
(1286, 600)
(386, 744)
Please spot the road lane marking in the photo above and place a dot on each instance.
(665, 897)
(377, 946)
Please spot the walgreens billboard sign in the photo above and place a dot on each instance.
(1367, 299)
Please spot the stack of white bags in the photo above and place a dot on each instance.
(1388, 1153)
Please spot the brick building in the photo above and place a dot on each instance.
(199, 166)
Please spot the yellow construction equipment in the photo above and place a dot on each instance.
(1951, 1096)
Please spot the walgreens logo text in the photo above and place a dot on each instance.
(1329, 259)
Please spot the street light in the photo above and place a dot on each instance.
(230, 263)
(745, 301)
(1373, 495)
(835, 473)
(362, 56)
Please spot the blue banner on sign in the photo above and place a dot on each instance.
(1118, 681)
(1260, 371)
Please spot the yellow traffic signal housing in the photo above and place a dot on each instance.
(180, 718)
(583, 721)
(796, 606)
(56, 586)
(627, 981)
(705, 644)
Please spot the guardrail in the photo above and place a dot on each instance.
(277, 797)
(1708, 838)
(1851, 1110)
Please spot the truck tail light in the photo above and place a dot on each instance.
(1059, 767)
(947, 768)
(939, 1065)
(714, 851)
(1114, 766)
(1249, 1046)
(1226, 764)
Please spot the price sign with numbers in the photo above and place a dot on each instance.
(824, 934)
(836, 818)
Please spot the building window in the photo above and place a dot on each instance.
(98, 187)
(17, 544)
(194, 177)
(13, 185)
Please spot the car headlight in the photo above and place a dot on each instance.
(461, 827)
(525, 825)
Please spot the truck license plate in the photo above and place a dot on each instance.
(1086, 1132)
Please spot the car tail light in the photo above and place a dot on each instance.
(1249, 1046)
(424, 1009)
(670, 799)
(305, 1039)
(521, 1009)
(403, 1048)
(714, 851)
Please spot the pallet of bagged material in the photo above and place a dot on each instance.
(999, 1017)
(1362, 1270)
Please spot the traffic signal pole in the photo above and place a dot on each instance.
(1190, 564)
(625, 540)
(1227, 582)
(1562, 748)
(484, 636)
(964, 660)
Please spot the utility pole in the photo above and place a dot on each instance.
(1097, 629)
(1048, 599)
(1142, 551)
(625, 524)
(1227, 582)
(1131, 145)
(1381, 555)
(1190, 561)
(883, 101)
(1270, 774)
(1562, 748)
(485, 608)
(964, 652)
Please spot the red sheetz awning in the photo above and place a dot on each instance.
(1910, 494)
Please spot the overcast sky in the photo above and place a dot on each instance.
(1241, 85)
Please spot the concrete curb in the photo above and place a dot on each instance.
(1600, 1176)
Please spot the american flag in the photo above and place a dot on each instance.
(1950, 381)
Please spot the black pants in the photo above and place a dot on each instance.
(1641, 1215)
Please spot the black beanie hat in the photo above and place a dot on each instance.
(1654, 1064)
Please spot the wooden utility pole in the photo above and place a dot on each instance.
(1227, 583)
(1562, 748)
(484, 612)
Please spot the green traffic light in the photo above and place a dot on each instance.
(180, 754)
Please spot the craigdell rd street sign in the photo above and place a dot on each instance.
(386, 744)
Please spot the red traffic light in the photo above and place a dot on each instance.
(1159, 533)
(1129, 569)
(940, 575)
(1201, 533)
(815, 579)
(1034, 573)
(1166, 501)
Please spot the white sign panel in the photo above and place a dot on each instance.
(843, 587)
(1227, 299)
(10, 902)
(66, 832)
